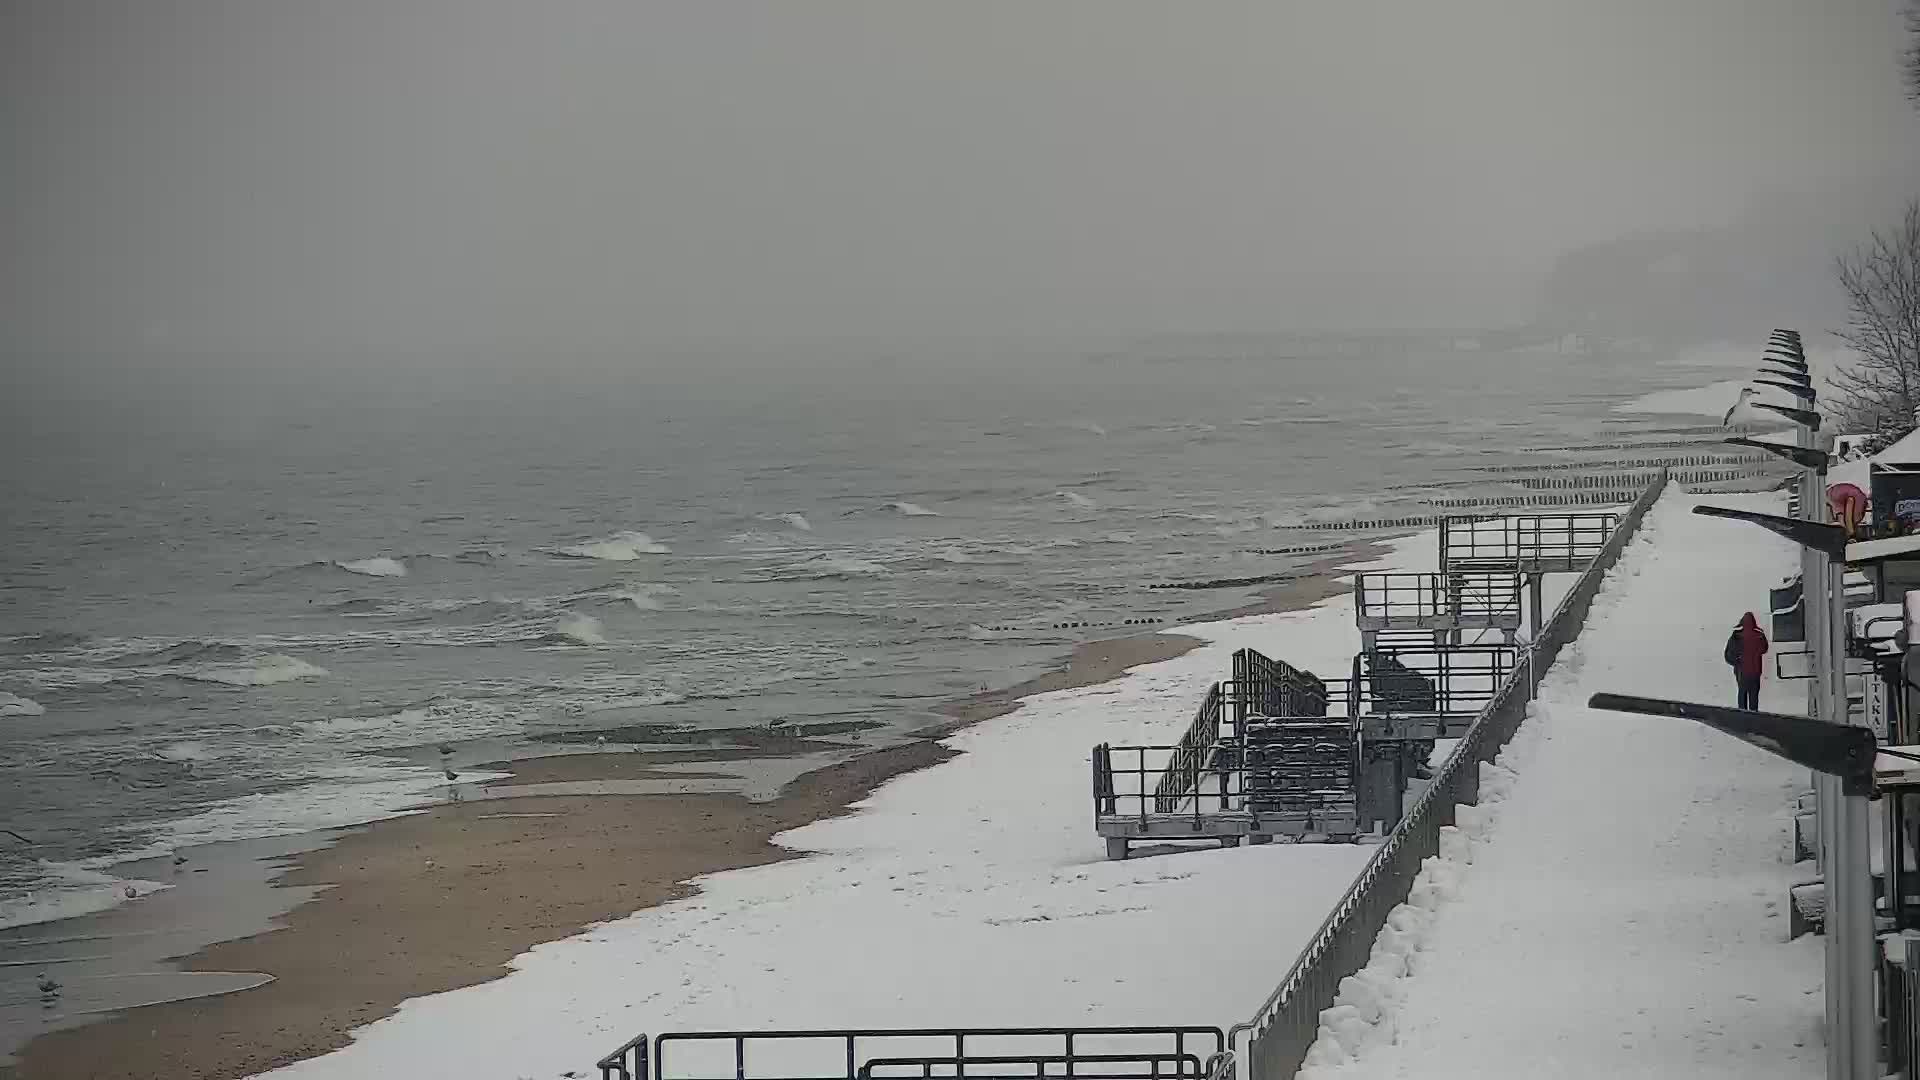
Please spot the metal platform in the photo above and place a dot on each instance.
(1083, 1053)
(1246, 771)
(1293, 779)
(1260, 687)
(1422, 694)
(1524, 543)
(1462, 600)
(1260, 759)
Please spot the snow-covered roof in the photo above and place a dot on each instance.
(1904, 452)
(1859, 473)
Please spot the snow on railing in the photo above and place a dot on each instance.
(1284, 1027)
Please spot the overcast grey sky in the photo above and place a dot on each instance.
(483, 174)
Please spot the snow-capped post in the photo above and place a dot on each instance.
(1804, 456)
(1803, 391)
(1804, 417)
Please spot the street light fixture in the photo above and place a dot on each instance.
(1843, 750)
(1828, 540)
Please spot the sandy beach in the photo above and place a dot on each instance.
(446, 898)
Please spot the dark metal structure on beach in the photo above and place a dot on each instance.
(1275, 751)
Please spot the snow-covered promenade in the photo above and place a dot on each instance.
(1624, 910)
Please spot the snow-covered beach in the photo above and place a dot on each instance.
(1636, 864)
(973, 868)
(1033, 830)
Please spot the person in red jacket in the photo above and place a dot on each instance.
(1747, 655)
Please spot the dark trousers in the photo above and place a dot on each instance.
(1749, 690)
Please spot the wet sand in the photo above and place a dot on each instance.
(443, 899)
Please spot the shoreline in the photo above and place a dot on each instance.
(377, 930)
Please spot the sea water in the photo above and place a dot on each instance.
(228, 614)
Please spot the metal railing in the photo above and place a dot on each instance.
(1527, 541)
(1453, 680)
(1289, 769)
(1469, 598)
(1284, 1027)
(1382, 600)
(1080, 1053)
(1037, 1067)
(1486, 598)
(1263, 686)
(1140, 781)
(1260, 686)
(627, 1063)
(1190, 754)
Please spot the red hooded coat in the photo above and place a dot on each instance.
(1753, 646)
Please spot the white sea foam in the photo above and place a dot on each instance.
(185, 751)
(15, 705)
(798, 521)
(349, 794)
(73, 891)
(269, 669)
(580, 629)
(442, 721)
(836, 566)
(378, 566)
(1077, 499)
(620, 547)
(952, 555)
(908, 509)
(645, 595)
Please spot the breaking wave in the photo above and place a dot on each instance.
(645, 597)
(907, 509)
(15, 705)
(798, 521)
(579, 629)
(362, 606)
(828, 567)
(378, 566)
(620, 547)
(1078, 500)
(266, 671)
(182, 652)
(470, 612)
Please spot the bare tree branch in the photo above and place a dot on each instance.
(1879, 392)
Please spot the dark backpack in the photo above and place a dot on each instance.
(1733, 648)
